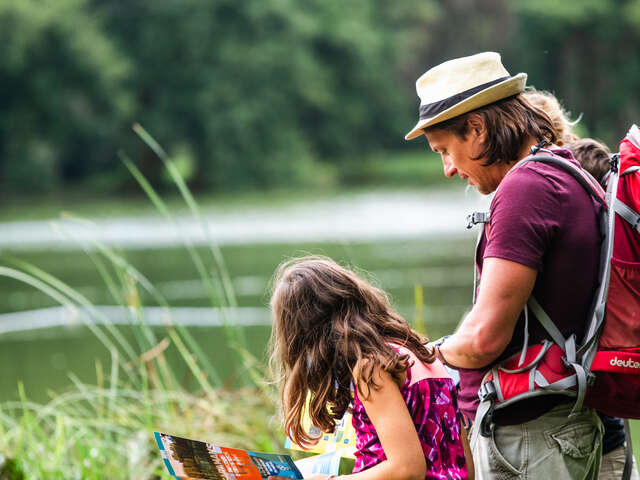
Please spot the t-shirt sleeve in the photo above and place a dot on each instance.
(526, 214)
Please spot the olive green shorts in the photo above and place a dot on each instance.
(550, 447)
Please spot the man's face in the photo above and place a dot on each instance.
(458, 159)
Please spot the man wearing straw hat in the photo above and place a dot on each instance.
(543, 241)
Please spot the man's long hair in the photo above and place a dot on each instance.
(332, 330)
(509, 123)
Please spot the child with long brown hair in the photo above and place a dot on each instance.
(337, 340)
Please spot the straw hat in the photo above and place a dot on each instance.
(461, 85)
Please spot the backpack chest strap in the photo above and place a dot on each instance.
(628, 214)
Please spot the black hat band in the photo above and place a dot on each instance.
(435, 108)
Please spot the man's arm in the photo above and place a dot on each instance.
(487, 329)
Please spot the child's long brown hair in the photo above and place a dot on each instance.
(328, 322)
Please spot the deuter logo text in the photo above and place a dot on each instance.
(624, 363)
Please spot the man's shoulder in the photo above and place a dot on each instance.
(532, 179)
(527, 182)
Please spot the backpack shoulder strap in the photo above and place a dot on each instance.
(606, 220)
(582, 176)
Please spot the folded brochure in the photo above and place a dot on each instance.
(342, 440)
(332, 463)
(193, 460)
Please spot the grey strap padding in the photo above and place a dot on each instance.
(546, 344)
(563, 384)
(532, 379)
(525, 343)
(627, 213)
(473, 219)
(475, 267)
(540, 380)
(598, 308)
(481, 413)
(546, 322)
(629, 170)
(569, 347)
(633, 135)
(581, 376)
(628, 454)
(570, 350)
(496, 384)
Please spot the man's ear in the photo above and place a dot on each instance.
(477, 127)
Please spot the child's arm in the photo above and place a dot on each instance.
(397, 433)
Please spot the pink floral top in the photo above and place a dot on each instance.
(429, 393)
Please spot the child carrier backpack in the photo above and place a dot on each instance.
(603, 370)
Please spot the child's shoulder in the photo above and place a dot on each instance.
(420, 370)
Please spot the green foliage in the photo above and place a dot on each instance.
(257, 92)
(572, 13)
(262, 89)
(9, 470)
(61, 79)
(269, 93)
(584, 52)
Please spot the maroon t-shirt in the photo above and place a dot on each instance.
(543, 218)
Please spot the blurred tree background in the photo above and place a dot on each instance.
(266, 93)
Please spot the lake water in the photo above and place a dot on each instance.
(403, 240)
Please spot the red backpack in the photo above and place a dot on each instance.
(603, 371)
(616, 359)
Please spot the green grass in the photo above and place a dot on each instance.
(105, 431)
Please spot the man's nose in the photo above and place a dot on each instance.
(449, 169)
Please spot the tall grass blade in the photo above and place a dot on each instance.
(62, 300)
(79, 299)
(193, 206)
(233, 332)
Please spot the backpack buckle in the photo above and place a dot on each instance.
(613, 162)
(477, 217)
(487, 392)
